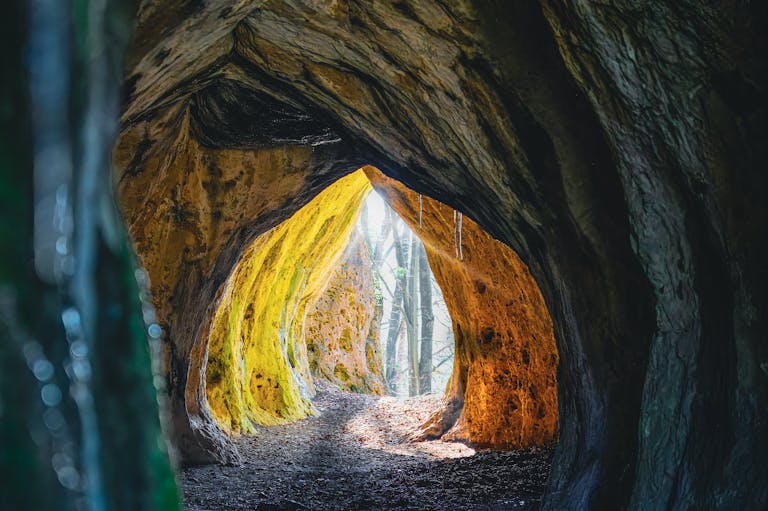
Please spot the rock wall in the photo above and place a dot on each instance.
(258, 371)
(191, 210)
(503, 391)
(616, 147)
(341, 327)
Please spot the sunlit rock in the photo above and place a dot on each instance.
(341, 329)
(258, 371)
(191, 211)
(503, 392)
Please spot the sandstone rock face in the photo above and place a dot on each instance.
(503, 392)
(258, 371)
(616, 148)
(341, 329)
(191, 211)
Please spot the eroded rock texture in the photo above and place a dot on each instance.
(341, 327)
(258, 369)
(503, 391)
(616, 147)
(191, 212)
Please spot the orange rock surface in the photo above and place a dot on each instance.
(341, 329)
(503, 392)
(184, 202)
(192, 211)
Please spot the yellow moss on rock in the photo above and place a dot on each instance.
(342, 327)
(258, 371)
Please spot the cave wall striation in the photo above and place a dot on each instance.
(615, 147)
(292, 285)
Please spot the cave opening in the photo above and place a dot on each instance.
(317, 341)
(402, 274)
(340, 293)
(617, 149)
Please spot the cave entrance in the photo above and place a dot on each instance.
(416, 332)
(298, 373)
(339, 295)
(310, 304)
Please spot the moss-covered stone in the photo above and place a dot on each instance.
(258, 370)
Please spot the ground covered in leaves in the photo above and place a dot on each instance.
(352, 456)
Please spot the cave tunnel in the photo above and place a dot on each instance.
(615, 150)
(285, 322)
(257, 363)
(298, 307)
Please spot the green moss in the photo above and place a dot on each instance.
(341, 373)
(345, 340)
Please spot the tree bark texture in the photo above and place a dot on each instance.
(411, 303)
(427, 323)
(79, 419)
(396, 314)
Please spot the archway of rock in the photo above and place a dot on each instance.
(617, 148)
(259, 370)
(206, 170)
(578, 135)
(228, 145)
(265, 350)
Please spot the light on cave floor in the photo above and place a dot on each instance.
(390, 420)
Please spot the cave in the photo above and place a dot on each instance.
(298, 307)
(297, 315)
(613, 148)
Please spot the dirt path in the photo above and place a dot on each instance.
(350, 457)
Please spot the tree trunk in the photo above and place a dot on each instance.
(395, 316)
(68, 285)
(377, 252)
(410, 302)
(427, 322)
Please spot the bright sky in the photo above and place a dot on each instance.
(376, 210)
(376, 213)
